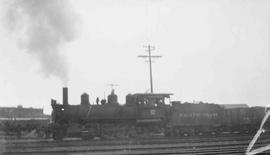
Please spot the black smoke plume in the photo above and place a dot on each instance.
(42, 27)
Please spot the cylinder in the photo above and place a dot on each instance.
(65, 96)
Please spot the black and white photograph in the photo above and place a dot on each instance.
(134, 77)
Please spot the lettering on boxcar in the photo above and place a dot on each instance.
(208, 115)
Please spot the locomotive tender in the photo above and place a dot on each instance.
(147, 115)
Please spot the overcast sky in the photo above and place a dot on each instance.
(213, 51)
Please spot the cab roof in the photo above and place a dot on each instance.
(155, 95)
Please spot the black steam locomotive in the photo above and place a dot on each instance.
(148, 115)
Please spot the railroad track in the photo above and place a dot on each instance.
(66, 142)
(222, 145)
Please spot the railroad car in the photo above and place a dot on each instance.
(148, 115)
(211, 119)
(243, 120)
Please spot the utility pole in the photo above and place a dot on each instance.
(150, 48)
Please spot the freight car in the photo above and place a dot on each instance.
(147, 115)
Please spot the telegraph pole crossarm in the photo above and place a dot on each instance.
(150, 57)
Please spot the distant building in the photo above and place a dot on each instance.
(232, 106)
(21, 113)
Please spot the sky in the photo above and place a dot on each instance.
(212, 51)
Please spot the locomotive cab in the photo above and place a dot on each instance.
(150, 107)
(152, 112)
(145, 99)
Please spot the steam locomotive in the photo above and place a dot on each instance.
(148, 115)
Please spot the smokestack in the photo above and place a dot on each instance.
(65, 96)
